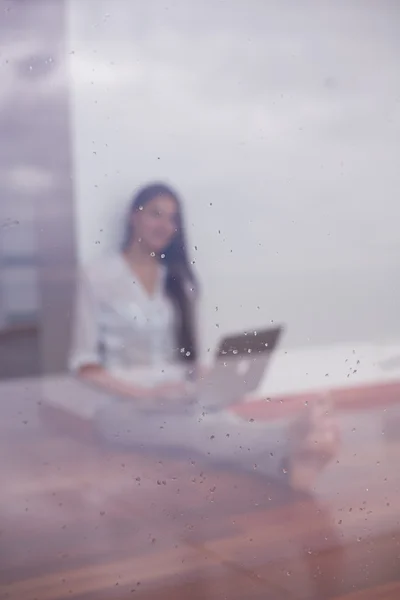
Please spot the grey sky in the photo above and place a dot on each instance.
(280, 124)
(278, 121)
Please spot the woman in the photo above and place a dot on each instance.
(135, 338)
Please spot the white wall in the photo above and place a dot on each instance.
(279, 123)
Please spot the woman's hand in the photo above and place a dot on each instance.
(167, 395)
(314, 443)
(161, 396)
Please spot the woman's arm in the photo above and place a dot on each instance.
(98, 376)
(142, 396)
(85, 359)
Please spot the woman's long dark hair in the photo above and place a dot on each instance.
(180, 283)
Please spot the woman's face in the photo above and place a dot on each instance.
(155, 223)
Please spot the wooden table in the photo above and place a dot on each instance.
(79, 520)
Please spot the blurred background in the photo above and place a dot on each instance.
(279, 124)
(36, 227)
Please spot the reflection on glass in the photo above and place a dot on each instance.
(280, 124)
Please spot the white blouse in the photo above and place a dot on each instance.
(120, 326)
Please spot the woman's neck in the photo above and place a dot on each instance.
(138, 254)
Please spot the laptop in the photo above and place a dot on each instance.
(240, 363)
